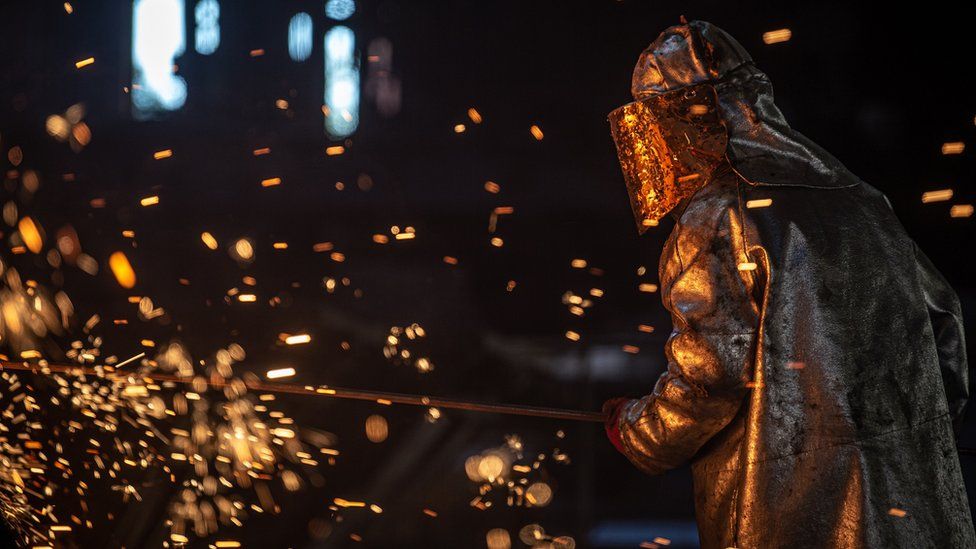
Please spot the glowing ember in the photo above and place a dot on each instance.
(31, 234)
(777, 36)
(961, 210)
(955, 147)
(759, 203)
(122, 269)
(940, 195)
(209, 241)
(280, 373)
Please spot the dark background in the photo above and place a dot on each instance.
(882, 89)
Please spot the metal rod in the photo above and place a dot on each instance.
(325, 391)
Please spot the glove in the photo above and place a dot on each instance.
(612, 409)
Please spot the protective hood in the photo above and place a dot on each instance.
(762, 147)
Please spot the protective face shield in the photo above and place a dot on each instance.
(669, 145)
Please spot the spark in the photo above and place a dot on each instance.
(961, 210)
(165, 153)
(149, 201)
(536, 132)
(84, 62)
(209, 240)
(953, 147)
(122, 269)
(129, 360)
(298, 339)
(474, 115)
(31, 234)
(940, 195)
(759, 203)
(279, 373)
(777, 36)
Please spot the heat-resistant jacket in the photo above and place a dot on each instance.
(817, 360)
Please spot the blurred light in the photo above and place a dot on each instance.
(122, 269)
(207, 15)
(340, 10)
(341, 83)
(243, 250)
(954, 147)
(300, 37)
(84, 62)
(759, 203)
(381, 85)
(209, 240)
(158, 38)
(376, 428)
(298, 339)
(498, 538)
(57, 127)
(961, 210)
(31, 234)
(280, 373)
(936, 196)
(539, 494)
(777, 36)
(536, 132)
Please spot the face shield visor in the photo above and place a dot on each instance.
(669, 145)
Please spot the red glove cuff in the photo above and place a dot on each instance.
(613, 409)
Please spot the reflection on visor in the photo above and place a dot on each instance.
(668, 146)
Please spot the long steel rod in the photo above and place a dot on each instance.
(326, 391)
(344, 393)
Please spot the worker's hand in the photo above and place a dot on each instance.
(612, 409)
